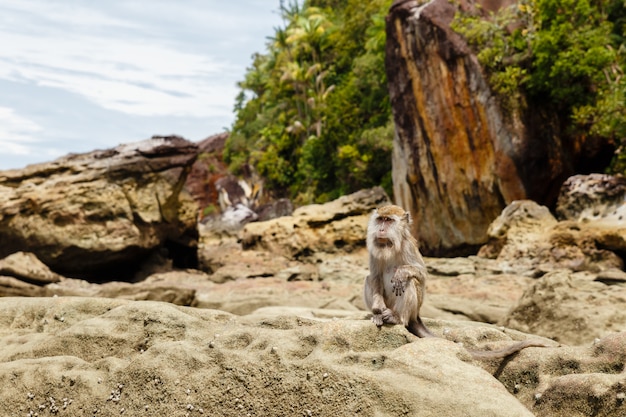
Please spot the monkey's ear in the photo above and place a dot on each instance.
(407, 218)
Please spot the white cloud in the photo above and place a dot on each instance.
(17, 133)
(127, 73)
(131, 77)
(79, 75)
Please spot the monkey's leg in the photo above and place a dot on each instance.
(378, 310)
(373, 294)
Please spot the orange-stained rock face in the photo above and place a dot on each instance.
(450, 171)
(459, 158)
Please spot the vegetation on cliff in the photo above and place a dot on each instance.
(313, 114)
(568, 55)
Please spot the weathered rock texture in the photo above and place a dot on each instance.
(111, 357)
(580, 292)
(571, 308)
(95, 356)
(206, 170)
(596, 198)
(101, 214)
(530, 241)
(578, 381)
(337, 226)
(458, 158)
(27, 267)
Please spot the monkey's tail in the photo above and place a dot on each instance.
(419, 329)
(503, 353)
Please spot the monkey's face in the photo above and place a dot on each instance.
(383, 226)
(383, 230)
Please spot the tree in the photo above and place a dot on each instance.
(306, 105)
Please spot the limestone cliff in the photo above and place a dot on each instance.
(459, 157)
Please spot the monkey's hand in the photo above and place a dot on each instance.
(387, 316)
(390, 317)
(400, 280)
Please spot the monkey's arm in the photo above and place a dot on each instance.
(404, 274)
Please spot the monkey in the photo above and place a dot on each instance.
(394, 289)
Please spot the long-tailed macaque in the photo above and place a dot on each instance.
(394, 289)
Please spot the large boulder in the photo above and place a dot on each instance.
(527, 239)
(459, 156)
(570, 307)
(99, 215)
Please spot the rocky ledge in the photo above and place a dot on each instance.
(100, 215)
(106, 357)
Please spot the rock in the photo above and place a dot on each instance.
(231, 220)
(305, 272)
(208, 168)
(528, 240)
(523, 217)
(13, 287)
(98, 215)
(596, 198)
(112, 357)
(570, 307)
(313, 313)
(571, 381)
(484, 298)
(245, 296)
(335, 227)
(611, 277)
(450, 266)
(176, 287)
(351, 267)
(456, 147)
(225, 260)
(27, 267)
(275, 209)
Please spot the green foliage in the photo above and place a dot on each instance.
(565, 54)
(313, 113)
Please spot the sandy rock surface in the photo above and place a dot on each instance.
(84, 356)
(110, 357)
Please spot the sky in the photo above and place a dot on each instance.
(81, 75)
